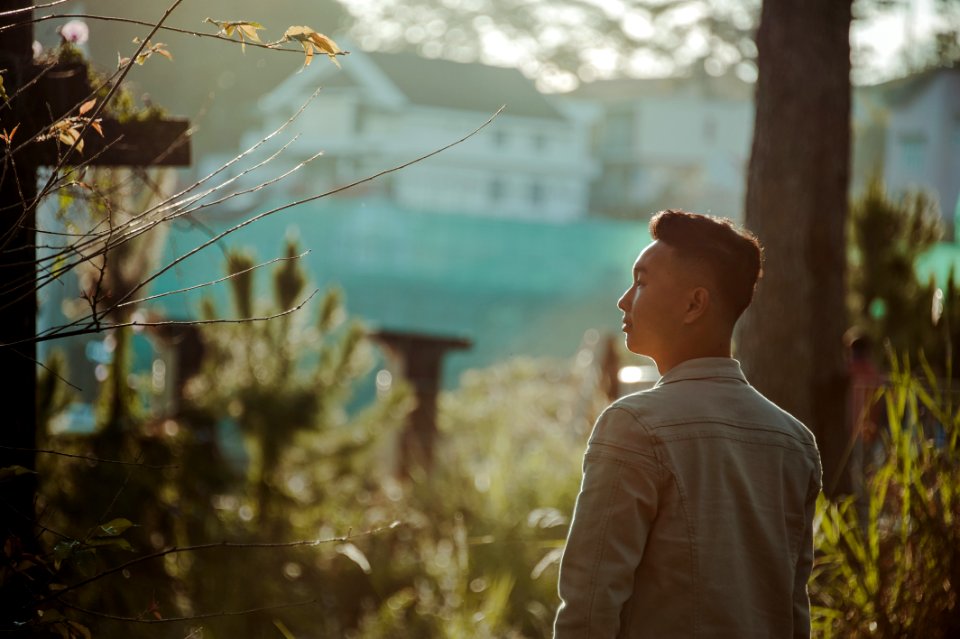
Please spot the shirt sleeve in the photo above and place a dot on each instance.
(801, 598)
(612, 519)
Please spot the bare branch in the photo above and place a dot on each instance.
(89, 458)
(125, 69)
(91, 237)
(284, 207)
(212, 282)
(49, 370)
(221, 544)
(273, 46)
(208, 615)
(107, 327)
(58, 332)
(14, 12)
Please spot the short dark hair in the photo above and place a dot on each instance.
(733, 255)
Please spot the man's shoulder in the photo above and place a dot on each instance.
(680, 403)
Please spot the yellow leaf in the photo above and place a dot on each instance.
(68, 136)
(298, 33)
(309, 39)
(324, 43)
(250, 30)
(86, 106)
(8, 137)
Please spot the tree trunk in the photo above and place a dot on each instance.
(790, 340)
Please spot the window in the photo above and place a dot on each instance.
(618, 131)
(536, 192)
(913, 149)
(496, 189)
(710, 129)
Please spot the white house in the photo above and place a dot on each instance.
(671, 142)
(913, 125)
(381, 110)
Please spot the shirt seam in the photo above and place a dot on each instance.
(742, 425)
(691, 542)
(600, 548)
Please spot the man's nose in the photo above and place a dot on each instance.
(623, 303)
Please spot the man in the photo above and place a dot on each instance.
(695, 514)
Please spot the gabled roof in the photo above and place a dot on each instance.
(467, 86)
(902, 91)
(430, 82)
(725, 87)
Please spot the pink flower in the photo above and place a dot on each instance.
(75, 32)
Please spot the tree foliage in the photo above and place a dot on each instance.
(897, 573)
(887, 299)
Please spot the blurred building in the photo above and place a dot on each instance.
(381, 110)
(907, 131)
(670, 143)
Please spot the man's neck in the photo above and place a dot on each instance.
(669, 361)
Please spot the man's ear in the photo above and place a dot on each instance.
(698, 301)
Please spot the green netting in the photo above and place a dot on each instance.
(513, 287)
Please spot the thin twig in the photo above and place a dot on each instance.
(273, 46)
(14, 12)
(125, 69)
(290, 205)
(89, 458)
(221, 544)
(49, 370)
(208, 615)
(212, 282)
(108, 327)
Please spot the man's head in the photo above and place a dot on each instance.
(690, 285)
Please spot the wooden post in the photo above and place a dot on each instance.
(419, 359)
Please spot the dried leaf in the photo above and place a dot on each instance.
(249, 29)
(95, 125)
(8, 136)
(308, 38)
(80, 628)
(243, 29)
(86, 106)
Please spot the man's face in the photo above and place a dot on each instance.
(654, 305)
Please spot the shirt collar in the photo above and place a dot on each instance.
(704, 368)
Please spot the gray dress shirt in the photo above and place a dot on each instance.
(695, 515)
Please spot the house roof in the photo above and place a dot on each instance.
(725, 87)
(902, 91)
(428, 82)
(467, 86)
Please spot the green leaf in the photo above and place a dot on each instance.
(63, 550)
(8, 472)
(114, 527)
